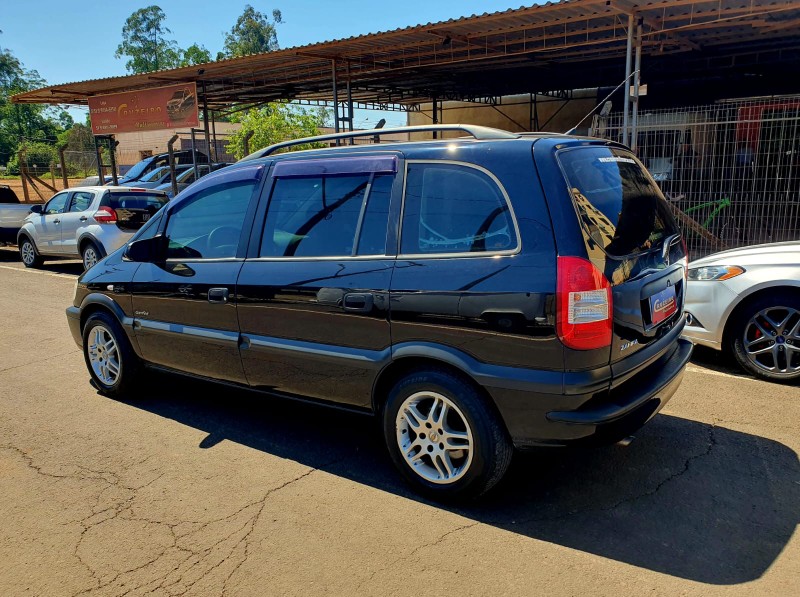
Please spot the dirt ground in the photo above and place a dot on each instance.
(45, 193)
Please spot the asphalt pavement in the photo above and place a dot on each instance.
(198, 489)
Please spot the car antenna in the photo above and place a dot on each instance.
(602, 103)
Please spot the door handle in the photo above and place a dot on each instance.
(358, 302)
(56, 221)
(83, 218)
(218, 295)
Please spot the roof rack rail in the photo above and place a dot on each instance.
(479, 133)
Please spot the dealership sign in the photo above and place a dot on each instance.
(145, 110)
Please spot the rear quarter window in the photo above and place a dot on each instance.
(620, 207)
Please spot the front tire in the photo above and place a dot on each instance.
(113, 365)
(765, 338)
(28, 254)
(443, 436)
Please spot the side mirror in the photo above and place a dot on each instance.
(37, 209)
(147, 250)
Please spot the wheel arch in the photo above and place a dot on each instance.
(744, 302)
(94, 303)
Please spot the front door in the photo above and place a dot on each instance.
(184, 306)
(313, 293)
(48, 225)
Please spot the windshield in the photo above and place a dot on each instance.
(137, 169)
(620, 207)
(155, 175)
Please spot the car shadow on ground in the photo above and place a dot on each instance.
(57, 266)
(686, 499)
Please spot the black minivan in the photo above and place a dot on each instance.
(477, 294)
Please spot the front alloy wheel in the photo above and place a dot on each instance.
(114, 367)
(104, 355)
(771, 341)
(27, 253)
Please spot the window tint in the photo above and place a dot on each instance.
(314, 217)
(619, 205)
(372, 239)
(135, 200)
(57, 204)
(81, 201)
(454, 209)
(209, 224)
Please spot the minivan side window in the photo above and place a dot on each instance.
(453, 208)
(208, 225)
(327, 216)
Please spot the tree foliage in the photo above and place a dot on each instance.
(274, 123)
(79, 150)
(253, 33)
(195, 54)
(23, 122)
(145, 42)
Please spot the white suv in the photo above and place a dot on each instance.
(86, 222)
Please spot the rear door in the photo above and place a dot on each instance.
(184, 305)
(313, 294)
(628, 233)
(76, 215)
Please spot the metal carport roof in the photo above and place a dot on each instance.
(543, 48)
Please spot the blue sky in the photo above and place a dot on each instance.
(75, 41)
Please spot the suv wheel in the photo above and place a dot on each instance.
(766, 338)
(443, 437)
(109, 357)
(90, 255)
(28, 254)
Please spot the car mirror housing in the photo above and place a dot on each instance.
(37, 209)
(146, 250)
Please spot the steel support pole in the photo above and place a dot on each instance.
(205, 123)
(435, 115)
(335, 99)
(349, 105)
(112, 155)
(214, 135)
(101, 180)
(626, 88)
(172, 172)
(636, 82)
(246, 142)
(194, 155)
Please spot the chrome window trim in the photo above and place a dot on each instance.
(465, 254)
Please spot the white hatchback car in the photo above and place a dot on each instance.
(747, 302)
(86, 222)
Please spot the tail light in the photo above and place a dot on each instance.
(584, 311)
(105, 215)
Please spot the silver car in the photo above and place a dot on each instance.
(747, 302)
(86, 222)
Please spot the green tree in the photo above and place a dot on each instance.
(79, 153)
(195, 54)
(145, 42)
(253, 33)
(274, 123)
(20, 122)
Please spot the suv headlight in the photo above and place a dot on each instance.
(715, 272)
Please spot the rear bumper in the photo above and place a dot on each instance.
(536, 419)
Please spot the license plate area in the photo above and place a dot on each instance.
(663, 305)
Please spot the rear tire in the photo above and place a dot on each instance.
(90, 254)
(113, 365)
(443, 436)
(28, 254)
(765, 337)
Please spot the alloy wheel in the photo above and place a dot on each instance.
(772, 340)
(89, 257)
(434, 437)
(28, 252)
(104, 355)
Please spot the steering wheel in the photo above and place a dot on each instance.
(222, 241)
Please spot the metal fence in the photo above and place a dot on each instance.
(730, 169)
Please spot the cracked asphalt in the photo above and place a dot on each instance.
(194, 489)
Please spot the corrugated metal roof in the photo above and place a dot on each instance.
(557, 45)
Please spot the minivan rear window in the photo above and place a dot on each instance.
(619, 206)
